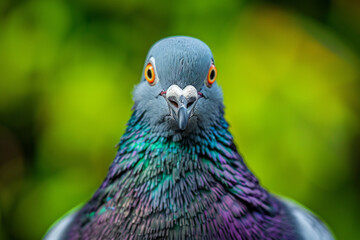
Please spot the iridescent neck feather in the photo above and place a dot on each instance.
(195, 186)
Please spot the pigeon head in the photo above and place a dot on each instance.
(178, 93)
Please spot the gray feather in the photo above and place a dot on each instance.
(59, 229)
(307, 225)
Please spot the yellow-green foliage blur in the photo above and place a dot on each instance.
(289, 72)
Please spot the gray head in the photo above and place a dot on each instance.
(178, 93)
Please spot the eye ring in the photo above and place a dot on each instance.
(211, 77)
(149, 74)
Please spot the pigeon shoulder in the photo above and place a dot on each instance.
(307, 225)
(58, 230)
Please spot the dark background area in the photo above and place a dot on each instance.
(289, 71)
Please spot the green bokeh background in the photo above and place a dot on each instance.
(289, 71)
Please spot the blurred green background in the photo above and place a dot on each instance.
(290, 74)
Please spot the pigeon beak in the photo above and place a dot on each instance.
(182, 115)
(181, 103)
(183, 118)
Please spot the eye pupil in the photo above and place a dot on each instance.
(149, 73)
(212, 74)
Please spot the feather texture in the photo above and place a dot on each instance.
(196, 188)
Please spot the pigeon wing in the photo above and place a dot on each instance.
(58, 230)
(307, 225)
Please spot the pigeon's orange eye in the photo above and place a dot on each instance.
(149, 73)
(211, 77)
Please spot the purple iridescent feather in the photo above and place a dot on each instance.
(196, 188)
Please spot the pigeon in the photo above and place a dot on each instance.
(177, 173)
